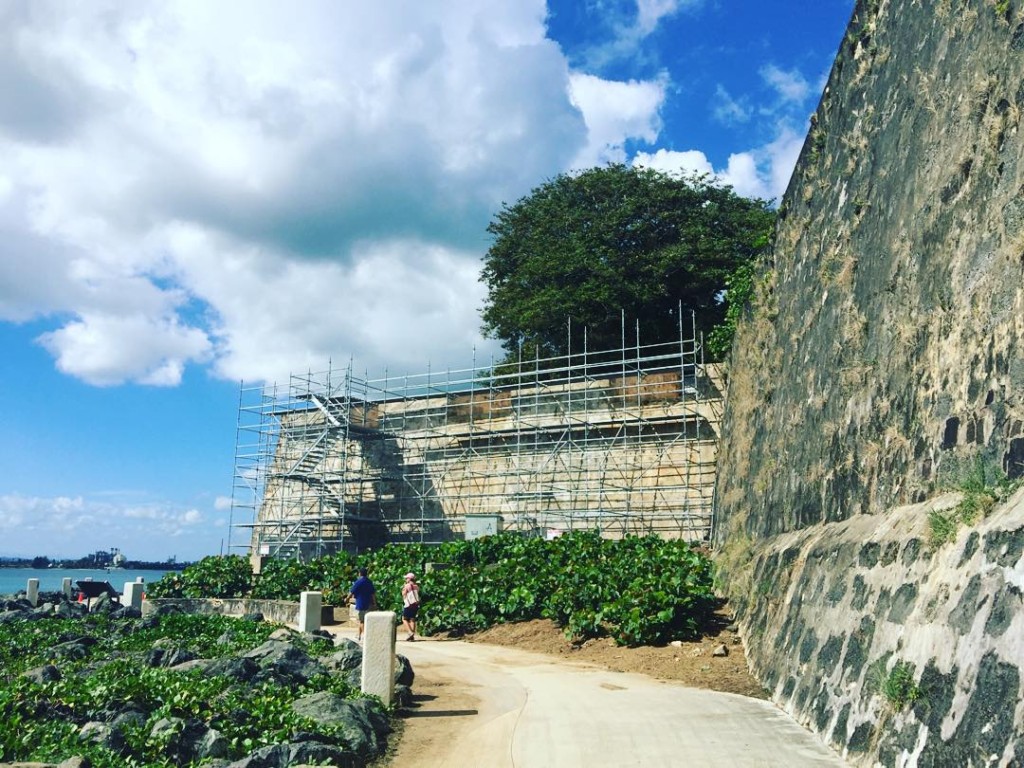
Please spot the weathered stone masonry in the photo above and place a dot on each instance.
(880, 365)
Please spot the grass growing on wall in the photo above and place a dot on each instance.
(981, 487)
(899, 688)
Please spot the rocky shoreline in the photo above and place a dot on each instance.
(357, 728)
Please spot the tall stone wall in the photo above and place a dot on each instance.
(833, 614)
(880, 366)
(885, 351)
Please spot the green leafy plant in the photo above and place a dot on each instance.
(591, 244)
(284, 579)
(982, 486)
(637, 590)
(41, 721)
(228, 576)
(899, 688)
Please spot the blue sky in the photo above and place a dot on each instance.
(194, 194)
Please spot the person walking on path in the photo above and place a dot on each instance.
(364, 595)
(410, 604)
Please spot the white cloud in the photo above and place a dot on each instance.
(650, 12)
(727, 110)
(65, 526)
(614, 111)
(190, 517)
(762, 172)
(109, 349)
(791, 86)
(624, 29)
(240, 185)
(667, 161)
(222, 502)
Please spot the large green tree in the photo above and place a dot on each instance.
(585, 248)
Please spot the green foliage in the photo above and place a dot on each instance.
(942, 526)
(228, 576)
(231, 576)
(637, 590)
(40, 721)
(207, 636)
(334, 575)
(982, 485)
(283, 579)
(592, 245)
(739, 290)
(899, 688)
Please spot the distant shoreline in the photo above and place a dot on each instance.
(132, 567)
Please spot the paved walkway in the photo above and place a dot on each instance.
(480, 705)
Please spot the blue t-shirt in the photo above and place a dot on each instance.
(363, 590)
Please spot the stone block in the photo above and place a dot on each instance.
(378, 676)
(32, 591)
(310, 604)
(132, 595)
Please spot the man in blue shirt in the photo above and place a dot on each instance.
(364, 594)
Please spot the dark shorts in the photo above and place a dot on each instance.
(362, 616)
(410, 611)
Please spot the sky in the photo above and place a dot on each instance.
(197, 194)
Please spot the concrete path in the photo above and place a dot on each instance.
(480, 705)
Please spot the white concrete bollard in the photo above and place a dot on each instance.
(309, 611)
(32, 591)
(132, 594)
(378, 677)
(65, 587)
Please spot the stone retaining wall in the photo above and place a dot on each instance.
(280, 611)
(832, 609)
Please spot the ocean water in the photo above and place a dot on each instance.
(14, 580)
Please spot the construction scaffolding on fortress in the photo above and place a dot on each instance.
(623, 441)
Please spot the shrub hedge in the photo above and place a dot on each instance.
(637, 590)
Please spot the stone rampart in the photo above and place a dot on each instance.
(880, 367)
(835, 614)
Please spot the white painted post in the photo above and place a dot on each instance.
(132, 594)
(309, 611)
(65, 587)
(378, 677)
(32, 590)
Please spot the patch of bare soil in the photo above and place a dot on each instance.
(691, 663)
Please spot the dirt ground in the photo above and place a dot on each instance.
(690, 663)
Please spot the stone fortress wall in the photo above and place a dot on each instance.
(880, 368)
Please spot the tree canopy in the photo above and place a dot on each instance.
(591, 246)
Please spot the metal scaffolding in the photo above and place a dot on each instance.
(623, 441)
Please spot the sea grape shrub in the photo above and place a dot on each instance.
(226, 576)
(284, 579)
(208, 636)
(335, 574)
(637, 590)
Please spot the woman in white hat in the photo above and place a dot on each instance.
(410, 604)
